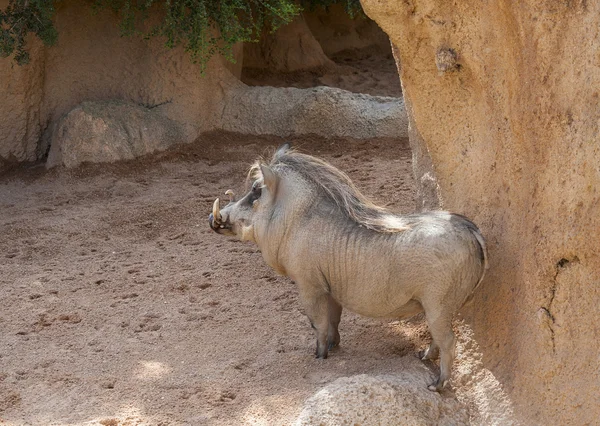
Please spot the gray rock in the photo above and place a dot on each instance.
(324, 111)
(108, 131)
(383, 400)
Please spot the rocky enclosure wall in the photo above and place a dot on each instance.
(307, 42)
(336, 31)
(91, 62)
(503, 106)
(21, 122)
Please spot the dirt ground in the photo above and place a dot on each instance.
(121, 306)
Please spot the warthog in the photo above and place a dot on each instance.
(312, 224)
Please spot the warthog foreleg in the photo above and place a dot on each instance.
(316, 304)
(335, 314)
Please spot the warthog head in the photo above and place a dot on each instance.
(240, 218)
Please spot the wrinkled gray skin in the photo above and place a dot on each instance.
(432, 266)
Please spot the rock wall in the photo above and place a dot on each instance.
(503, 100)
(92, 62)
(307, 42)
(21, 122)
(291, 48)
(336, 31)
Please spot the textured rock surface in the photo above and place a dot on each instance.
(291, 48)
(324, 111)
(512, 132)
(98, 132)
(21, 95)
(107, 131)
(336, 31)
(92, 62)
(383, 400)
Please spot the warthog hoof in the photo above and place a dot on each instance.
(333, 341)
(321, 352)
(437, 386)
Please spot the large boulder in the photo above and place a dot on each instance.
(324, 111)
(97, 132)
(387, 400)
(503, 105)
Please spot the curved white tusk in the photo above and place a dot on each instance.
(216, 211)
(231, 195)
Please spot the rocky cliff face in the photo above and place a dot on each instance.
(20, 116)
(503, 106)
(92, 62)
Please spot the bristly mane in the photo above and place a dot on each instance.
(338, 187)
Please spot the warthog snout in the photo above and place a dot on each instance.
(216, 220)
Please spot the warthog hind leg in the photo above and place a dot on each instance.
(335, 314)
(444, 341)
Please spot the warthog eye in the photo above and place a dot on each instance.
(255, 193)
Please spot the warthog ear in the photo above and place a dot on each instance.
(282, 149)
(270, 178)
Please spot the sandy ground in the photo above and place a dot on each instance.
(121, 306)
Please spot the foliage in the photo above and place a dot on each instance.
(20, 18)
(203, 27)
(353, 7)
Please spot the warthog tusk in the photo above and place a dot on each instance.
(216, 211)
(231, 195)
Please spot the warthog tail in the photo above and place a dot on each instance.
(483, 255)
(483, 250)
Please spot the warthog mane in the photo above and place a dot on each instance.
(336, 186)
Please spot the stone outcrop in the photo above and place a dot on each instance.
(97, 132)
(92, 63)
(324, 111)
(383, 400)
(337, 31)
(21, 122)
(107, 131)
(503, 109)
(291, 48)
